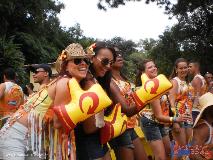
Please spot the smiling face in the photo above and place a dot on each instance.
(102, 62)
(151, 70)
(77, 70)
(182, 70)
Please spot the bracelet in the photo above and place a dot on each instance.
(171, 119)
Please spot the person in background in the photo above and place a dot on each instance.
(42, 74)
(181, 99)
(30, 88)
(198, 83)
(127, 146)
(202, 138)
(209, 80)
(28, 91)
(11, 95)
(152, 117)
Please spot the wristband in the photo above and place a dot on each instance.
(171, 119)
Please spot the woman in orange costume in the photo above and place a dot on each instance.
(13, 136)
(152, 117)
(181, 99)
(128, 145)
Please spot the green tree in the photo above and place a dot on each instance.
(11, 56)
(191, 38)
(104, 4)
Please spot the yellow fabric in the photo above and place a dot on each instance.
(81, 112)
(41, 102)
(115, 124)
(151, 89)
(83, 104)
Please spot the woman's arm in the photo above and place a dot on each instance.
(118, 98)
(156, 108)
(173, 93)
(62, 93)
(200, 135)
(61, 96)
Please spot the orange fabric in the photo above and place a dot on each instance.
(48, 117)
(11, 100)
(126, 90)
(184, 97)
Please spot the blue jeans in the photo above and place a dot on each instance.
(152, 130)
(124, 140)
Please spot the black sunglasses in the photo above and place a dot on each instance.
(119, 53)
(78, 61)
(38, 71)
(105, 61)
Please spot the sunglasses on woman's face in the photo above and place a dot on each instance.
(105, 61)
(78, 61)
(118, 53)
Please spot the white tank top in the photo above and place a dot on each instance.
(8, 85)
(202, 79)
(210, 139)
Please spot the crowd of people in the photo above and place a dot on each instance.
(177, 123)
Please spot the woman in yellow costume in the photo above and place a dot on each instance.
(152, 117)
(27, 121)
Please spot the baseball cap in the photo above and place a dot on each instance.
(46, 68)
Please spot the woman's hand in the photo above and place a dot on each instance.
(184, 118)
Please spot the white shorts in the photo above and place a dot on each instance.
(13, 143)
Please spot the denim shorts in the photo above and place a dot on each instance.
(88, 146)
(124, 140)
(95, 149)
(152, 130)
(185, 125)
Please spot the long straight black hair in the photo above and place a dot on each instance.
(106, 79)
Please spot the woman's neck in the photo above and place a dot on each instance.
(116, 74)
(182, 78)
